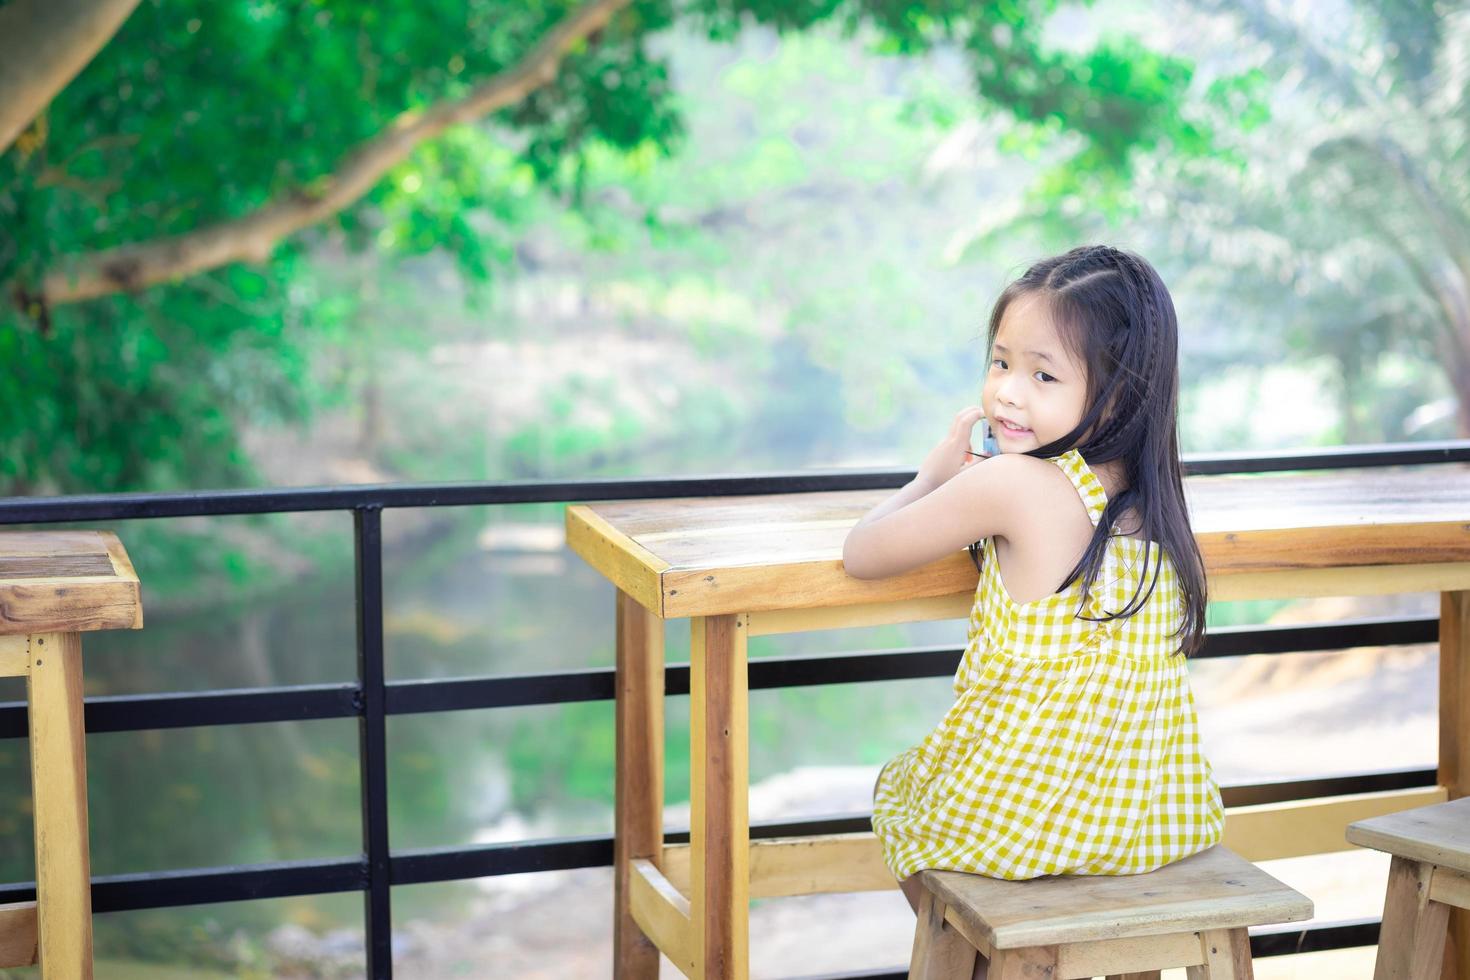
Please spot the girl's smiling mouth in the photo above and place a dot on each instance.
(1006, 427)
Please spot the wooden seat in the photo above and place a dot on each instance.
(1192, 913)
(53, 586)
(1427, 878)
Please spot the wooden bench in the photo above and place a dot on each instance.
(53, 586)
(1192, 913)
(1428, 876)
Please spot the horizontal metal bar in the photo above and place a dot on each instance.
(1373, 631)
(305, 702)
(515, 690)
(1329, 457)
(490, 860)
(196, 503)
(216, 503)
(1285, 938)
(203, 886)
(284, 879)
(600, 684)
(140, 712)
(143, 712)
(1313, 787)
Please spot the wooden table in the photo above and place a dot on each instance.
(53, 586)
(750, 565)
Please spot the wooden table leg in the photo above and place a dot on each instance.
(59, 795)
(719, 789)
(1454, 734)
(639, 788)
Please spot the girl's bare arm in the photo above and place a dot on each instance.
(907, 494)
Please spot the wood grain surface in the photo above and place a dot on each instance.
(66, 581)
(712, 555)
(1214, 889)
(1438, 834)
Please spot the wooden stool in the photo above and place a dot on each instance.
(1428, 876)
(54, 585)
(1192, 913)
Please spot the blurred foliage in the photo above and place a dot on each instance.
(1330, 222)
(195, 114)
(198, 114)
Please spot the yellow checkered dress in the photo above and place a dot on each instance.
(1072, 746)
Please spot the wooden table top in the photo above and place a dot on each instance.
(1439, 833)
(66, 582)
(698, 556)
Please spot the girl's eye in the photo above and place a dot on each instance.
(1002, 364)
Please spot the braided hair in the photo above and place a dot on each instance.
(1116, 316)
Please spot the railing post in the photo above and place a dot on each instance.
(372, 741)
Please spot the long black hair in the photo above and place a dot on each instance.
(1116, 317)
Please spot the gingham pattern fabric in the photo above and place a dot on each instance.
(1072, 746)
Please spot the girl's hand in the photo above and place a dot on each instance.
(953, 452)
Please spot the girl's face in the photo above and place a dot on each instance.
(1033, 382)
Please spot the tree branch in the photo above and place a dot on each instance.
(252, 237)
(1438, 213)
(43, 44)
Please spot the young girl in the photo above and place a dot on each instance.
(1072, 746)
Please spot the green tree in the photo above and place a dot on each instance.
(1379, 204)
(163, 212)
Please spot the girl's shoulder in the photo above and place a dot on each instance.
(1046, 490)
(1051, 529)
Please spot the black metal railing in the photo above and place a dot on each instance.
(372, 699)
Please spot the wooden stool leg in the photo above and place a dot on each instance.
(639, 786)
(719, 793)
(59, 795)
(1412, 938)
(1427, 962)
(940, 952)
(1396, 934)
(1227, 954)
(1026, 963)
(1454, 738)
